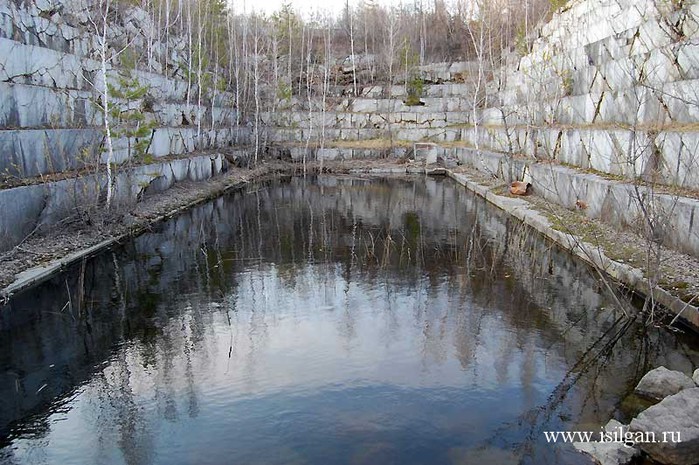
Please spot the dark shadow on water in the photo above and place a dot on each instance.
(363, 320)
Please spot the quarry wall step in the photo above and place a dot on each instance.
(614, 202)
(39, 207)
(36, 152)
(30, 106)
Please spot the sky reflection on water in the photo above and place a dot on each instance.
(332, 320)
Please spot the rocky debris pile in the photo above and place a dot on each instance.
(667, 432)
(460, 71)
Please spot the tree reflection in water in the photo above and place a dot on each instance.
(368, 320)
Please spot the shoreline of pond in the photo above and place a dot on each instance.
(39, 258)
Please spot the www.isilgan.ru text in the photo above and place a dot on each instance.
(618, 435)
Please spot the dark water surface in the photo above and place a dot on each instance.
(321, 321)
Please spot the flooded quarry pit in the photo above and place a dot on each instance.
(330, 319)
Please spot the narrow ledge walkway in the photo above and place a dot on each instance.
(620, 258)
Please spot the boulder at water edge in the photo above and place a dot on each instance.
(609, 453)
(678, 413)
(661, 382)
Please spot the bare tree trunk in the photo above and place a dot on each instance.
(352, 57)
(200, 79)
(477, 40)
(326, 84)
(256, 83)
(309, 95)
(105, 100)
(189, 53)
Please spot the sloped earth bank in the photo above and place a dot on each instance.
(333, 318)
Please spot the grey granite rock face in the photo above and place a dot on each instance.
(51, 121)
(39, 207)
(21, 209)
(661, 382)
(678, 414)
(29, 153)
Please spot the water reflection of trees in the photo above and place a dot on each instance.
(151, 306)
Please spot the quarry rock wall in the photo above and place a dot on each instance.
(52, 135)
(602, 107)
